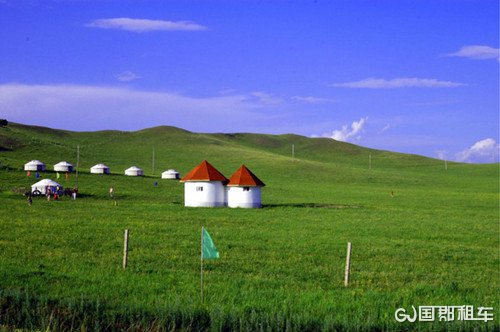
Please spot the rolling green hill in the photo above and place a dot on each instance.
(434, 241)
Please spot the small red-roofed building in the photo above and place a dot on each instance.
(243, 189)
(204, 186)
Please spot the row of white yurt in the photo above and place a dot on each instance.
(64, 166)
(205, 186)
(37, 165)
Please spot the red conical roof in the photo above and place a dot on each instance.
(243, 177)
(204, 172)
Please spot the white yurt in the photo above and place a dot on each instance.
(134, 171)
(34, 165)
(63, 166)
(204, 186)
(243, 189)
(42, 186)
(170, 174)
(99, 169)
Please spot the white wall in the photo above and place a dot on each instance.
(63, 168)
(99, 170)
(34, 167)
(212, 195)
(237, 197)
(134, 173)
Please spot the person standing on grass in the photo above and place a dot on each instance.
(111, 192)
(73, 194)
(48, 191)
(30, 199)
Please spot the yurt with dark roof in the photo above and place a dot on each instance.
(204, 186)
(243, 189)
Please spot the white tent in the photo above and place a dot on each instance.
(170, 174)
(34, 165)
(99, 169)
(42, 186)
(134, 171)
(63, 166)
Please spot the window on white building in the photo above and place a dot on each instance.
(199, 188)
(246, 188)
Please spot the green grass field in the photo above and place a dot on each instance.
(436, 242)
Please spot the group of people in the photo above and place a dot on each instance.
(55, 194)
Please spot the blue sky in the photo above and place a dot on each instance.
(408, 76)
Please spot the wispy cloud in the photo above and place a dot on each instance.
(395, 83)
(85, 107)
(264, 98)
(347, 133)
(486, 150)
(126, 76)
(381, 131)
(311, 100)
(478, 52)
(143, 25)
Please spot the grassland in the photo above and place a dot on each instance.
(436, 242)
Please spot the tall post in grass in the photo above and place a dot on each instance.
(293, 152)
(125, 249)
(153, 161)
(370, 161)
(77, 163)
(201, 265)
(347, 264)
(445, 165)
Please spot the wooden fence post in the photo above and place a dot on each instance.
(347, 264)
(125, 249)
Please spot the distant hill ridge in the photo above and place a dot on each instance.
(175, 146)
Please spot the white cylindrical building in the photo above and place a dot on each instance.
(99, 169)
(34, 165)
(243, 189)
(204, 186)
(170, 174)
(63, 166)
(134, 171)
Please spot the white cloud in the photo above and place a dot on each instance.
(486, 150)
(347, 133)
(404, 82)
(142, 25)
(126, 76)
(84, 107)
(265, 98)
(478, 52)
(384, 129)
(311, 100)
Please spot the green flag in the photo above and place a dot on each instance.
(208, 249)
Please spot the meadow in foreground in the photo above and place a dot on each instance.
(435, 242)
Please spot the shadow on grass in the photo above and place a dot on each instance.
(311, 205)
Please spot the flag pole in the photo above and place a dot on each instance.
(77, 163)
(201, 265)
